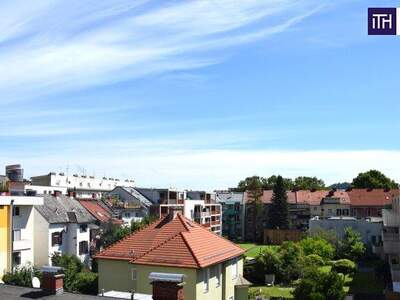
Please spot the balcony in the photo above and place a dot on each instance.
(22, 245)
(390, 219)
(391, 247)
(206, 225)
(395, 271)
(202, 214)
(390, 236)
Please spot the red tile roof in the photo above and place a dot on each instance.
(179, 242)
(354, 197)
(98, 211)
(374, 197)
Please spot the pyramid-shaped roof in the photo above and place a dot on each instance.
(177, 242)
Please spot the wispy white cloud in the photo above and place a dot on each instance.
(56, 46)
(213, 169)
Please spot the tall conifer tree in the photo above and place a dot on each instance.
(278, 213)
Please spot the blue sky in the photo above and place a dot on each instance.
(198, 94)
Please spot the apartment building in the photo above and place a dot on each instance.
(324, 204)
(211, 266)
(17, 231)
(81, 186)
(391, 240)
(233, 214)
(128, 204)
(62, 225)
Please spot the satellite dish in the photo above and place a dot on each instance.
(35, 283)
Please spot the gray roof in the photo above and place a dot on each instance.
(10, 292)
(230, 197)
(138, 196)
(63, 209)
(151, 194)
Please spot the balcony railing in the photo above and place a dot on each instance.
(390, 218)
(391, 247)
(202, 214)
(390, 236)
(395, 271)
(207, 225)
(22, 245)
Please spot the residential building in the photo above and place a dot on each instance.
(212, 266)
(17, 231)
(233, 214)
(100, 211)
(81, 186)
(128, 204)
(370, 202)
(44, 190)
(198, 206)
(62, 225)
(391, 240)
(370, 229)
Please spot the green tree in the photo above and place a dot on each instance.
(318, 246)
(271, 182)
(250, 182)
(373, 179)
(317, 285)
(292, 258)
(267, 262)
(255, 191)
(351, 246)
(71, 266)
(344, 266)
(340, 185)
(308, 183)
(278, 212)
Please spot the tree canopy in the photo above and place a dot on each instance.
(299, 183)
(278, 212)
(373, 179)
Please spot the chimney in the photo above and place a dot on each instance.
(167, 286)
(53, 280)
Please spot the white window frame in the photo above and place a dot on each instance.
(218, 275)
(206, 280)
(133, 274)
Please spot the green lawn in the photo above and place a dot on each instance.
(273, 291)
(252, 250)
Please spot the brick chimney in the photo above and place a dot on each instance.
(53, 280)
(167, 286)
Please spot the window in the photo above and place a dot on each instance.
(56, 239)
(338, 212)
(234, 269)
(16, 211)
(133, 274)
(83, 228)
(206, 279)
(17, 235)
(83, 247)
(127, 215)
(16, 257)
(218, 275)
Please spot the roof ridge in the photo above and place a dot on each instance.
(190, 249)
(183, 220)
(128, 236)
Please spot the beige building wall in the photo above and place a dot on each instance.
(40, 240)
(120, 275)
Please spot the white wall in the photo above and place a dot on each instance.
(24, 223)
(57, 248)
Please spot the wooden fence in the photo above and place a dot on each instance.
(278, 236)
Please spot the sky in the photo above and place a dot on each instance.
(198, 94)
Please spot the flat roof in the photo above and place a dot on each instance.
(21, 200)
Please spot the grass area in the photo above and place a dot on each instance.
(252, 250)
(273, 291)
